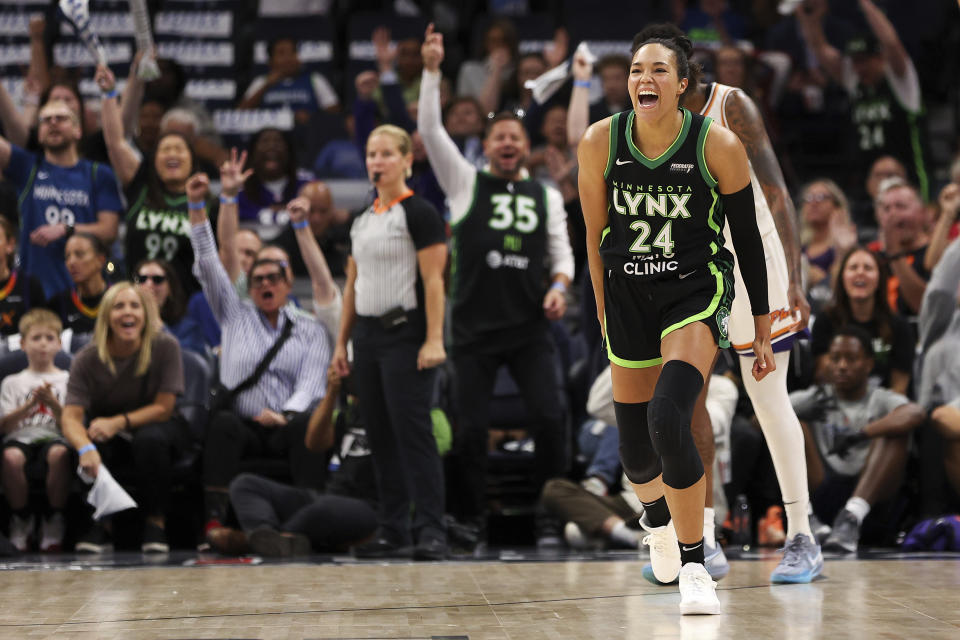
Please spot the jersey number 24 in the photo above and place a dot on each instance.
(663, 241)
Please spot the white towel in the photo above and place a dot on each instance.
(106, 495)
(546, 84)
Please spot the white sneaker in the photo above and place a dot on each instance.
(698, 593)
(664, 550)
(51, 540)
(21, 530)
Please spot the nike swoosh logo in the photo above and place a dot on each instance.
(684, 275)
(619, 164)
(696, 546)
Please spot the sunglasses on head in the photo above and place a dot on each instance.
(261, 279)
(141, 278)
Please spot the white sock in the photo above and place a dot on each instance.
(858, 507)
(622, 533)
(709, 527)
(784, 437)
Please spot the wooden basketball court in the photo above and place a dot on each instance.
(509, 597)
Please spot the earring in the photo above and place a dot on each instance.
(409, 172)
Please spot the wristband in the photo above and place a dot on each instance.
(85, 448)
(126, 421)
(196, 206)
(558, 286)
(228, 199)
(303, 224)
(585, 84)
(113, 93)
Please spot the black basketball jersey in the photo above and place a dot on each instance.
(883, 126)
(664, 216)
(498, 271)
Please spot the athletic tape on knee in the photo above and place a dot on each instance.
(669, 414)
(640, 461)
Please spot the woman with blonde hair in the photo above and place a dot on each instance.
(119, 408)
(827, 231)
(393, 305)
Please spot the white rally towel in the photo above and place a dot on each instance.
(77, 13)
(547, 84)
(148, 69)
(106, 495)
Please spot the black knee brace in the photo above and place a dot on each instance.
(669, 414)
(640, 461)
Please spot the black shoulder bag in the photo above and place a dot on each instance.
(221, 397)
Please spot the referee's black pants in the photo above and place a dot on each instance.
(533, 367)
(394, 401)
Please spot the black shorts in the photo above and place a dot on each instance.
(35, 467)
(640, 313)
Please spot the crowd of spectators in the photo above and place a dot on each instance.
(161, 251)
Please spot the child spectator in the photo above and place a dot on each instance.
(30, 402)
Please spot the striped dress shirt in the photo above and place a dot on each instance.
(296, 376)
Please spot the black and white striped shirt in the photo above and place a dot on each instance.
(297, 375)
(384, 246)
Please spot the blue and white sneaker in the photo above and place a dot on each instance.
(715, 562)
(802, 561)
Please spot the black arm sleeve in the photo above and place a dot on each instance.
(740, 210)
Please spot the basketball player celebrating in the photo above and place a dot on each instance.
(656, 183)
(802, 560)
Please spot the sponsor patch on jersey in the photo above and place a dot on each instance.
(680, 167)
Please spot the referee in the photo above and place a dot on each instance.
(393, 306)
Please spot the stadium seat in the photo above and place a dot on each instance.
(192, 405)
(16, 361)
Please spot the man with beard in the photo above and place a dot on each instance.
(58, 193)
(506, 230)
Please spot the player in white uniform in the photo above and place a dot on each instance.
(802, 560)
(789, 314)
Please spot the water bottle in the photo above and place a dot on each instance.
(740, 519)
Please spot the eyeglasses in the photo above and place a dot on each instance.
(55, 118)
(817, 197)
(261, 279)
(141, 278)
